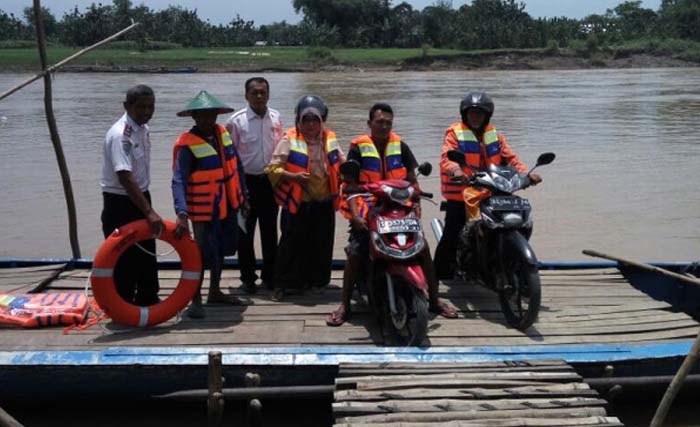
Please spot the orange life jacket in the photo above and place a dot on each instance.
(469, 144)
(32, 310)
(214, 180)
(372, 169)
(289, 193)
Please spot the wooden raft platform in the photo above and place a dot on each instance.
(578, 307)
(524, 393)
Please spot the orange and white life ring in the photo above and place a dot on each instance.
(105, 290)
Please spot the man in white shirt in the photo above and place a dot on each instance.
(256, 130)
(125, 180)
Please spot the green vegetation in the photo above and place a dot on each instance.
(307, 59)
(481, 24)
(353, 33)
(220, 59)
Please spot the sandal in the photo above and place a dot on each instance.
(337, 317)
(445, 309)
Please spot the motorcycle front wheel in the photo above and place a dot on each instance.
(521, 294)
(409, 325)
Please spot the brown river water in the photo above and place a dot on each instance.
(624, 181)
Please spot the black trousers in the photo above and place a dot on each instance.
(305, 251)
(263, 210)
(136, 272)
(445, 252)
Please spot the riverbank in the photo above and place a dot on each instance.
(649, 54)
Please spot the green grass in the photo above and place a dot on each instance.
(682, 49)
(213, 58)
(305, 58)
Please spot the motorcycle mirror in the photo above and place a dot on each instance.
(350, 170)
(425, 169)
(545, 159)
(457, 157)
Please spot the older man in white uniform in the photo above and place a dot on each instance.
(125, 180)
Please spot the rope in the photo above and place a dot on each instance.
(157, 255)
(98, 314)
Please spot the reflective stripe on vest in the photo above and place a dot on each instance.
(469, 144)
(289, 193)
(210, 184)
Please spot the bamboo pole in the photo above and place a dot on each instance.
(676, 384)
(6, 420)
(55, 138)
(647, 267)
(65, 61)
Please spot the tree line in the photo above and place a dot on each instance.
(482, 24)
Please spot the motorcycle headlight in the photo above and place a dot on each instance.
(398, 253)
(502, 183)
(516, 182)
(398, 195)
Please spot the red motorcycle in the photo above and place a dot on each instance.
(395, 284)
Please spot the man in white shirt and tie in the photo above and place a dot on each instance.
(255, 131)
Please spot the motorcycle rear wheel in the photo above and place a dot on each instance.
(412, 306)
(521, 295)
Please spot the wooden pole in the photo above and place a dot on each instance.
(215, 403)
(55, 138)
(676, 384)
(254, 405)
(6, 420)
(647, 267)
(65, 61)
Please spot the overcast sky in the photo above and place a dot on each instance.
(268, 11)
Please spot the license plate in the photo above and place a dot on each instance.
(402, 225)
(509, 203)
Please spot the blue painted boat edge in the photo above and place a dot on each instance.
(338, 264)
(313, 356)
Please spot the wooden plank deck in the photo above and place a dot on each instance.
(28, 280)
(578, 307)
(526, 393)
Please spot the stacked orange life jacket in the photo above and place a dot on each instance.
(214, 180)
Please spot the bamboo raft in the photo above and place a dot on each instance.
(592, 306)
(524, 393)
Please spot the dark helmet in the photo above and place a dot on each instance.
(477, 99)
(311, 101)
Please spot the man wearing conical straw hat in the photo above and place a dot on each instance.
(208, 190)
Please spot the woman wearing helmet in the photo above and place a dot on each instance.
(482, 145)
(304, 173)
